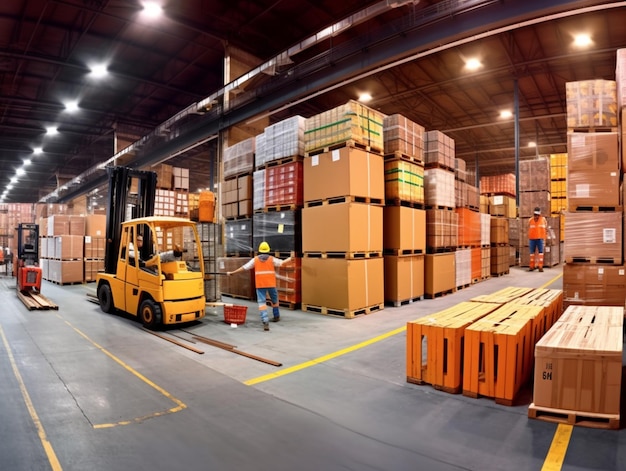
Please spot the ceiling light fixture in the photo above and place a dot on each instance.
(473, 64)
(27, 162)
(582, 40)
(98, 71)
(71, 106)
(365, 97)
(532, 144)
(152, 9)
(20, 171)
(38, 150)
(52, 130)
(506, 114)
(14, 179)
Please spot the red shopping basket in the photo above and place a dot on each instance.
(235, 314)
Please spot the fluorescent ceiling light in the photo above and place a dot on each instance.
(14, 179)
(505, 114)
(365, 97)
(27, 162)
(98, 71)
(52, 130)
(151, 9)
(532, 144)
(37, 150)
(20, 172)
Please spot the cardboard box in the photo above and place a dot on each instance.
(534, 175)
(68, 247)
(593, 188)
(502, 205)
(404, 136)
(342, 285)
(529, 200)
(439, 273)
(468, 227)
(594, 284)
(95, 225)
(594, 237)
(499, 233)
(578, 362)
(404, 181)
(404, 230)
(65, 271)
(347, 171)
(404, 278)
(58, 224)
(592, 151)
(441, 228)
(342, 227)
(500, 259)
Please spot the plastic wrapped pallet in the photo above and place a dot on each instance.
(404, 181)
(403, 136)
(349, 122)
(238, 235)
(284, 184)
(439, 149)
(498, 184)
(534, 174)
(441, 228)
(591, 103)
(463, 267)
(281, 140)
(239, 158)
(620, 78)
(282, 230)
(594, 237)
(258, 189)
(485, 229)
(439, 187)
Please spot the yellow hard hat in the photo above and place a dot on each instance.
(264, 247)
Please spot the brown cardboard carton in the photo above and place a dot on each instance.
(439, 273)
(499, 230)
(95, 225)
(534, 175)
(404, 229)
(68, 247)
(77, 225)
(342, 227)
(529, 200)
(578, 362)
(346, 171)
(58, 224)
(593, 188)
(594, 284)
(592, 151)
(500, 259)
(342, 284)
(404, 278)
(594, 236)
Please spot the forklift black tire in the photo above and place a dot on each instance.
(150, 314)
(105, 297)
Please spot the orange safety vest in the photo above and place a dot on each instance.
(537, 229)
(264, 273)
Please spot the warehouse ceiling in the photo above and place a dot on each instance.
(164, 74)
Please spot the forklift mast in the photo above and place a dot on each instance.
(28, 244)
(119, 200)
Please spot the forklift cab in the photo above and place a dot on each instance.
(27, 269)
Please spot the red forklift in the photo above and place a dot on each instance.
(27, 269)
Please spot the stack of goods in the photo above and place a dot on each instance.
(342, 219)
(558, 190)
(404, 219)
(594, 272)
(467, 205)
(534, 186)
(210, 236)
(12, 214)
(441, 219)
(172, 192)
(278, 201)
(238, 250)
(63, 248)
(237, 186)
(501, 193)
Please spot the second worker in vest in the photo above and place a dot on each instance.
(537, 233)
(264, 266)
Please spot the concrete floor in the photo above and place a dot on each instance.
(85, 390)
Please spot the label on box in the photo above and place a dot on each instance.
(498, 199)
(315, 161)
(582, 190)
(281, 228)
(335, 155)
(620, 272)
(609, 235)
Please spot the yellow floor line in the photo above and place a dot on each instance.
(47, 446)
(556, 453)
(324, 358)
(553, 280)
(179, 404)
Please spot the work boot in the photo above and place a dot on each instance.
(276, 319)
(531, 269)
(540, 268)
(266, 326)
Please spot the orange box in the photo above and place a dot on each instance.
(347, 171)
(404, 230)
(498, 353)
(342, 227)
(341, 286)
(469, 227)
(476, 264)
(579, 361)
(434, 353)
(404, 278)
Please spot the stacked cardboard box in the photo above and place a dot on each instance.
(284, 139)
(342, 232)
(594, 223)
(239, 158)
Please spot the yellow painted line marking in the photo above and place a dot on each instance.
(179, 404)
(47, 446)
(556, 453)
(324, 358)
(545, 285)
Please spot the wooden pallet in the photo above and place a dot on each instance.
(596, 209)
(339, 145)
(36, 301)
(399, 155)
(449, 390)
(439, 294)
(345, 313)
(405, 203)
(345, 255)
(584, 419)
(280, 161)
(344, 199)
(399, 252)
(403, 302)
(597, 260)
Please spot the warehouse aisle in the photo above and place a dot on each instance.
(101, 394)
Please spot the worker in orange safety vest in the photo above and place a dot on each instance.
(537, 233)
(264, 266)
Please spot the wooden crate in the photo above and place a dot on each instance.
(502, 296)
(579, 361)
(435, 345)
(498, 353)
(551, 300)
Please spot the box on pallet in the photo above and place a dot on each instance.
(594, 237)
(441, 228)
(404, 230)
(343, 172)
(578, 363)
(591, 103)
(439, 273)
(404, 278)
(403, 136)
(591, 284)
(404, 181)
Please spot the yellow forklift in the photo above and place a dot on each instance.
(153, 264)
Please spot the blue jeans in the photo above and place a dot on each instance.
(535, 244)
(261, 297)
